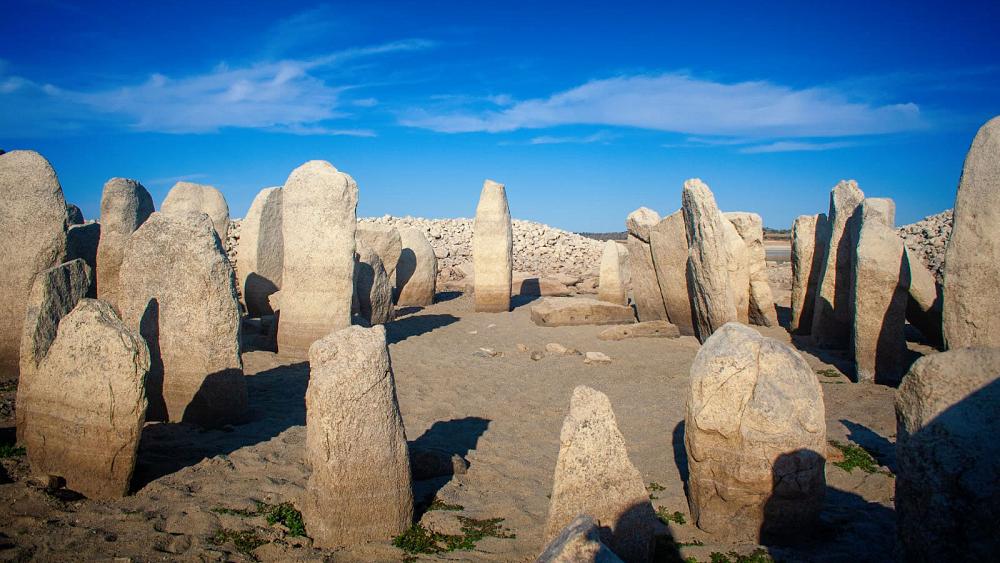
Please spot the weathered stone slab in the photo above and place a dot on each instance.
(645, 287)
(708, 273)
(372, 287)
(808, 249)
(187, 197)
(751, 229)
(573, 311)
(615, 279)
(738, 266)
(33, 231)
(82, 242)
(832, 315)
(87, 404)
(578, 542)
(319, 205)
(385, 241)
(668, 243)
(492, 250)
(594, 476)
(125, 204)
(178, 290)
(755, 435)
(972, 260)
(645, 329)
(261, 252)
(351, 401)
(416, 270)
(948, 457)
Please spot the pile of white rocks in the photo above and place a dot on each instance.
(928, 239)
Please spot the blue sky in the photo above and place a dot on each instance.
(586, 111)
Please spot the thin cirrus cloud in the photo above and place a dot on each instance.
(678, 102)
(291, 96)
(598, 137)
(795, 146)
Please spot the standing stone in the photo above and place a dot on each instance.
(755, 436)
(385, 241)
(708, 262)
(87, 403)
(614, 280)
(738, 266)
(125, 204)
(82, 242)
(948, 456)
(33, 231)
(923, 308)
(751, 229)
(492, 250)
(372, 287)
(668, 243)
(645, 287)
(178, 290)
(53, 295)
(594, 476)
(186, 197)
(972, 260)
(880, 294)
(258, 268)
(831, 326)
(578, 542)
(808, 249)
(417, 270)
(319, 206)
(355, 442)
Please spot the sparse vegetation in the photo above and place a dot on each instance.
(245, 541)
(235, 511)
(856, 457)
(418, 539)
(667, 517)
(827, 372)
(690, 543)
(654, 487)
(11, 450)
(438, 504)
(758, 556)
(286, 515)
(8, 386)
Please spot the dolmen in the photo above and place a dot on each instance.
(492, 250)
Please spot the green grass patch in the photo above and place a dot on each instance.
(856, 457)
(11, 450)
(8, 386)
(438, 504)
(286, 515)
(654, 487)
(667, 517)
(828, 372)
(690, 543)
(245, 541)
(235, 511)
(418, 539)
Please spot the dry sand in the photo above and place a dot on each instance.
(503, 414)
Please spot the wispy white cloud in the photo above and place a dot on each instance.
(599, 137)
(796, 146)
(678, 102)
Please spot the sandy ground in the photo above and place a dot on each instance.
(502, 414)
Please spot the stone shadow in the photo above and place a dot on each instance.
(401, 329)
(443, 296)
(881, 448)
(435, 448)
(680, 454)
(784, 317)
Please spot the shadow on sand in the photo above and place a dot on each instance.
(401, 329)
(436, 446)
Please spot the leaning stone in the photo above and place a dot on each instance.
(54, 294)
(645, 329)
(374, 290)
(416, 270)
(178, 290)
(831, 327)
(738, 266)
(87, 403)
(125, 204)
(319, 205)
(33, 231)
(573, 311)
(751, 229)
(186, 197)
(578, 542)
(594, 476)
(668, 243)
(645, 287)
(880, 294)
(755, 435)
(614, 274)
(948, 456)
(82, 242)
(708, 260)
(351, 401)
(492, 250)
(807, 251)
(972, 261)
(386, 241)
(261, 252)
(923, 308)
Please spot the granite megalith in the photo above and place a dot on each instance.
(808, 248)
(751, 229)
(668, 243)
(645, 287)
(187, 197)
(708, 276)
(261, 253)
(416, 270)
(372, 286)
(125, 205)
(492, 250)
(386, 241)
(831, 326)
(614, 276)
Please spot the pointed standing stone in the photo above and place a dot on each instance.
(645, 287)
(594, 476)
(372, 286)
(972, 261)
(755, 436)
(416, 271)
(668, 243)
(319, 206)
(492, 250)
(355, 442)
(33, 231)
(831, 326)
(708, 260)
(807, 252)
(385, 241)
(186, 197)
(125, 205)
(178, 290)
(614, 280)
(751, 229)
(87, 403)
(261, 252)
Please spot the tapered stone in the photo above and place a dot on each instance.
(492, 250)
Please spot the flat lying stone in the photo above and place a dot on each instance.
(575, 311)
(645, 329)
